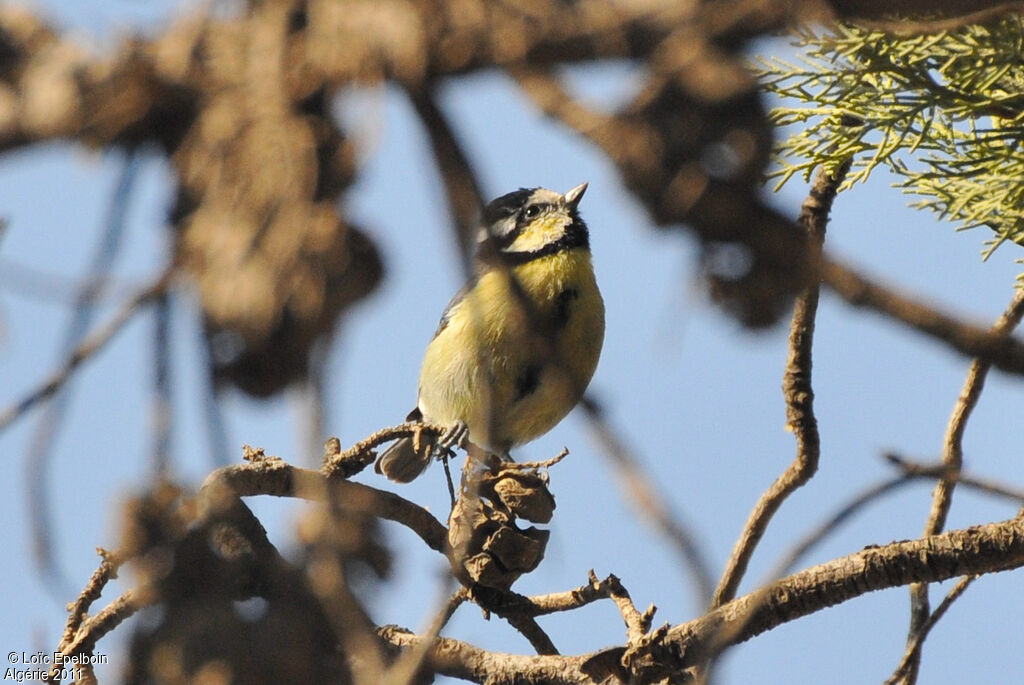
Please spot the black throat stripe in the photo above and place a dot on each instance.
(575, 236)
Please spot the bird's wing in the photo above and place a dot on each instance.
(458, 297)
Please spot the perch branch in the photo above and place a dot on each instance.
(345, 464)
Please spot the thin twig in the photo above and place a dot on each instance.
(310, 399)
(40, 451)
(531, 630)
(871, 493)
(102, 623)
(637, 623)
(213, 413)
(79, 609)
(942, 496)
(405, 669)
(952, 452)
(508, 603)
(448, 480)
(570, 600)
(910, 472)
(538, 464)
(52, 286)
(906, 665)
(644, 494)
(797, 391)
(82, 639)
(89, 346)
(162, 410)
(990, 487)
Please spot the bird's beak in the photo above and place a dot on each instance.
(572, 197)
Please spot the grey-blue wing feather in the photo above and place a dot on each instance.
(452, 303)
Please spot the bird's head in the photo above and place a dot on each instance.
(529, 221)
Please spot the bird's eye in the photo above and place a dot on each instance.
(531, 211)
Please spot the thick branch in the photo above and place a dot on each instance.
(1003, 352)
(981, 549)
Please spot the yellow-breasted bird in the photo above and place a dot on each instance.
(517, 346)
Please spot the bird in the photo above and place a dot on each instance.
(517, 346)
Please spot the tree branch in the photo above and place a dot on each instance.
(942, 497)
(89, 346)
(797, 390)
(912, 656)
(909, 472)
(648, 500)
(272, 476)
(981, 549)
(465, 201)
(1003, 352)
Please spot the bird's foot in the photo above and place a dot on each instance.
(456, 436)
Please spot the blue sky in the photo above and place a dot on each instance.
(697, 397)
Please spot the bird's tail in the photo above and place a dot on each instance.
(402, 463)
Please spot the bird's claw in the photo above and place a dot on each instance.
(456, 436)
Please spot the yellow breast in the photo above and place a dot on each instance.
(517, 351)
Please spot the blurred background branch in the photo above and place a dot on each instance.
(242, 107)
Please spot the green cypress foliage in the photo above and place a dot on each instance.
(945, 112)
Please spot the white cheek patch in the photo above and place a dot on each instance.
(544, 231)
(500, 231)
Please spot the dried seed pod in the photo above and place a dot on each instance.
(519, 551)
(488, 547)
(525, 494)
